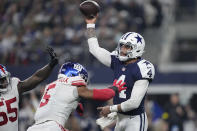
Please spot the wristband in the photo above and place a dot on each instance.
(113, 108)
(90, 25)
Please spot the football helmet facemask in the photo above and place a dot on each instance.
(136, 43)
(70, 69)
(4, 79)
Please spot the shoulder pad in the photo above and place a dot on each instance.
(147, 69)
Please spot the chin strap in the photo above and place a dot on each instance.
(123, 58)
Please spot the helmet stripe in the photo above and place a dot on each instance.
(122, 36)
(127, 35)
(1, 67)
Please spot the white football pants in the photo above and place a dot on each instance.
(46, 126)
(131, 123)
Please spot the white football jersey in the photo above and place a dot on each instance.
(60, 98)
(9, 107)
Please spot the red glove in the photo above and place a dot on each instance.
(80, 109)
(118, 86)
(108, 93)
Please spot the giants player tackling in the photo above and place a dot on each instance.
(127, 64)
(12, 87)
(61, 97)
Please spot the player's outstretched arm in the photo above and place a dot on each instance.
(101, 54)
(139, 90)
(39, 75)
(101, 94)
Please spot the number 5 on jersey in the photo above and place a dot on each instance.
(47, 96)
(10, 110)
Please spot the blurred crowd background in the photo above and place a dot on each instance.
(168, 26)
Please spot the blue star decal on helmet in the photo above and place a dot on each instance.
(139, 39)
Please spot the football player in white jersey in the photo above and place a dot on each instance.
(12, 87)
(61, 97)
(127, 65)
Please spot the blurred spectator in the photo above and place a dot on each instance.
(191, 123)
(159, 14)
(160, 125)
(175, 113)
(33, 24)
(154, 113)
(26, 114)
(73, 123)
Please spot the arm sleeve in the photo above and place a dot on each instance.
(139, 90)
(103, 94)
(101, 54)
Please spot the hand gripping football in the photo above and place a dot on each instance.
(89, 8)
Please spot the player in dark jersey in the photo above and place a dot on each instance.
(128, 66)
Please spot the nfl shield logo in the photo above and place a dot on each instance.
(123, 68)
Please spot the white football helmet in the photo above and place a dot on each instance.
(4, 79)
(135, 41)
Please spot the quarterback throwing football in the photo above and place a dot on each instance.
(127, 65)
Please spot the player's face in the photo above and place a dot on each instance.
(3, 83)
(124, 49)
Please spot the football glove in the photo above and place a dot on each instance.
(117, 86)
(80, 109)
(54, 58)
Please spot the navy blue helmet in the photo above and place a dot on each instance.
(70, 69)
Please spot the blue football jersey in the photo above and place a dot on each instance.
(141, 69)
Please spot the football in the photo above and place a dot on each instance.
(89, 8)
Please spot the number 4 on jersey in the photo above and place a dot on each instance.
(150, 73)
(122, 94)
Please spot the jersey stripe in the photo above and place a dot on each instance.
(144, 121)
(140, 122)
(123, 36)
